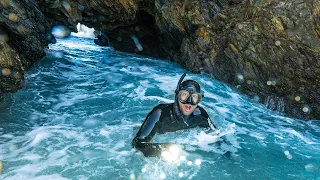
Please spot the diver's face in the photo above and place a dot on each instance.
(186, 109)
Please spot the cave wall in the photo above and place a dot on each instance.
(267, 49)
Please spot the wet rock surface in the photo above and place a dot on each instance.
(23, 30)
(269, 50)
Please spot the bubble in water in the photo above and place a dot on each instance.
(189, 163)
(277, 43)
(143, 170)
(13, 17)
(249, 82)
(197, 162)
(162, 176)
(273, 83)
(60, 31)
(180, 174)
(297, 98)
(6, 71)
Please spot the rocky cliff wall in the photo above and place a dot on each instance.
(268, 49)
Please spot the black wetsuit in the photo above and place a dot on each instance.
(167, 118)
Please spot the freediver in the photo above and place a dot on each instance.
(184, 113)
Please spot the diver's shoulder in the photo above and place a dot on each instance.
(203, 112)
(162, 106)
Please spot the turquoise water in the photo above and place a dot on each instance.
(82, 105)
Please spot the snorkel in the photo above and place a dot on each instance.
(179, 83)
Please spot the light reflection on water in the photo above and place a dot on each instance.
(79, 110)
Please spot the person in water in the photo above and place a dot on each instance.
(184, 113)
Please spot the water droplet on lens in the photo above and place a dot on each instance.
(311, 168)
(66, 5)
(17, 75)
(5, 3)
(305, 109)
(58, 54)
(182, 158)
(180, 174)
(297, 98)
(90, 123)
(256, 98)
(6, 71)
(240, 78)
(22, 29)
(80, 7)
(60, 31)
(33, 117)
(277, 43)
(4, 37)
(137, 42)
(132, 176)
(286, 153)
(13, 17)
(269, 83)
(144, 170)
(197, 162)
(189, 163)
(162, 176)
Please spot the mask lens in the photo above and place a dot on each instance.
(183, 95)
(196, 98)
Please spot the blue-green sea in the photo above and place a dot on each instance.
(82, 104)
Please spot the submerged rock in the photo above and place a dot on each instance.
(274, 46)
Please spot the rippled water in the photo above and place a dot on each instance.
(83, 104)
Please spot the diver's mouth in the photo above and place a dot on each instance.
(187, 108)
